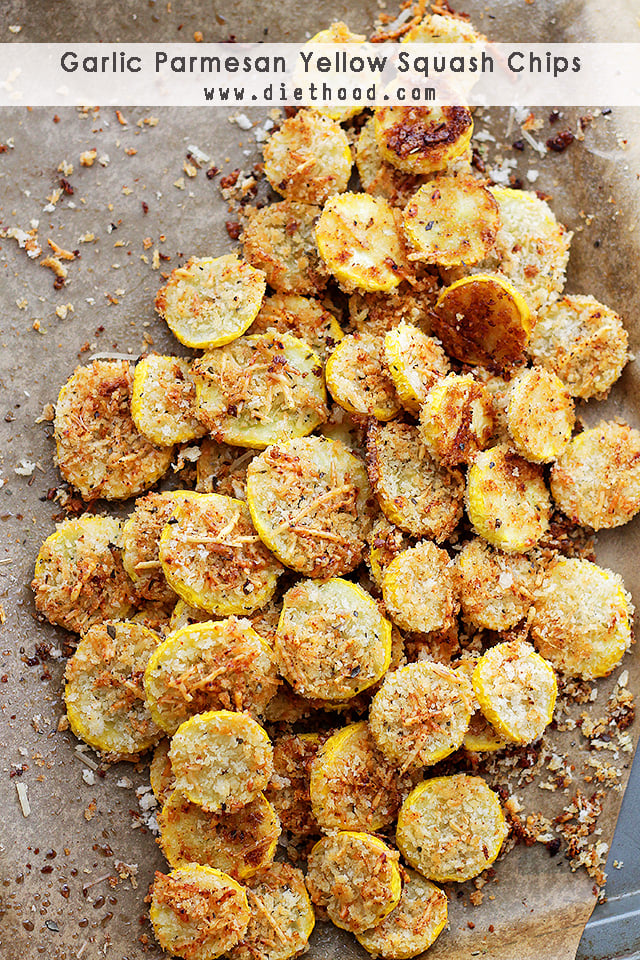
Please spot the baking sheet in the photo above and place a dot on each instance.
(63, 906)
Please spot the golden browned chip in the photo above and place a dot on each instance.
(414, 491)
(308, 158)
(583, 342)
(495, 588)
(456, 419)
(98, 447)
(483, 319)
(421, 713)
(415, 361)
(222, 665)
(288, 789)
(140, 542)
(540, 414)
(378, 178)
(596, 480)
(280, 240)
(303, 317)
(104, 695)
(213, 558)
(422, 139)
(198, 913)
(222, 469)
(79, 577)
(311, 504)
(418, 587)
(358, 378)
(238, 843)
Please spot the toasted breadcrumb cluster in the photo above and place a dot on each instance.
(386, 374)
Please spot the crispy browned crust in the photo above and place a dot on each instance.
(417, 131)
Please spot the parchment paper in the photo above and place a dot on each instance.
(78, 831)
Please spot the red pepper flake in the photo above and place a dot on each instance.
(561, 141)
(145, 207)
(56, 118)
(234, 229)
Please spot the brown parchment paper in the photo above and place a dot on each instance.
(56, 900)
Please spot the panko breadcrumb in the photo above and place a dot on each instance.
(308, 158)
(583, 342)
(358, 378)
(288, 789)
(238, 843)
(596, 480)
(495, 589)
(303, 317)
(451, 828)
(99, 449)
(162, 400)
(140, 544)
(198, 913)
(456, 419)
(418, 587)
(417, 494)
(311, 504)
(355, 877)
(79, 576)
(103, 691)
(421, 714)
(221, 760)
(280, 240)
(581, 619)
(540, 415)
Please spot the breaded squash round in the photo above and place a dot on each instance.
(417, 494)
(451, 828)
(198, 913)
(358, 378)
(141, 540)
(338, 32)
(222, 665)
(222, 469)
(103, 688)
(99, 449)
(211, 300)
(443, 28)
(160, 772)
(412, 926)
(583, 342)
(596, 479)
(162, 400)
(456, 419)
(308, 158)
(353, 786)
(259, 390)
(540, 415)
(358, 239)
(451, 221)
(495, 589)
(480, 736)
(280, 240)
(516, 689)
(213, 558)
(421, 713)
(385, 542)
(582, 618)
(282, 916)
(507, 499)
(221, 760)
(415, 361)
(422, 139)
(79, 577)
(482, 319)
(238, 843)
(288, 789)
(532, 248)
(378, 178)
(355, 878)
(418, 587)
(311, 504)
(302, 317)
(332, 641)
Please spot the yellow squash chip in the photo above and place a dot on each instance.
(140, 542)
(507, 499)
(259, 390)
(412, 926)
(355, 878)
(381, 179)
(540, 415)
(332, 641)
(221, 665)
(495, 589)
(456, 419)
(221, 760)
(357, 236)
(311, 504)
(238, 843)
(303, 317)
(419, 588)
(338, 32)
(198, 913)
(582, 618)
(213, 558)
(516, 689)
(422, 139)
(280, 240)
(162, 400)
(358, 377)
(103, 688)
(451, 828)
(210, 301)
(416, 363)
(421, 714)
